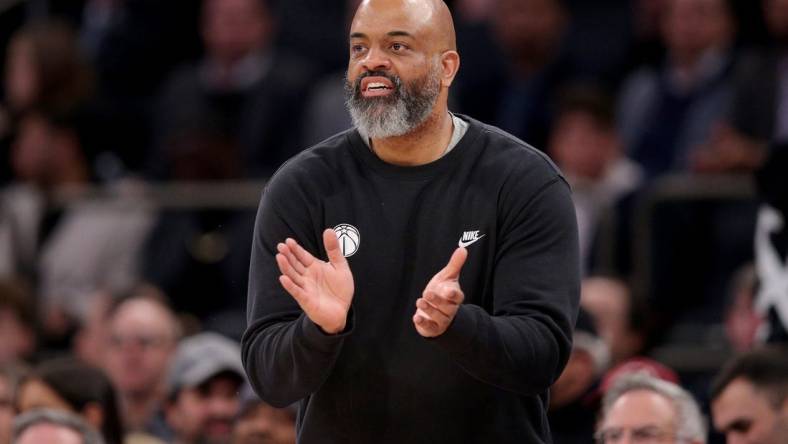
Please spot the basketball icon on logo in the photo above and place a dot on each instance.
(349, 239)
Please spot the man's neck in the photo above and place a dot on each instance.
(425, 144)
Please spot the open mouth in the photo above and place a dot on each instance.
(376, 86)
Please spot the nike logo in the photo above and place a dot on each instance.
(468, 238)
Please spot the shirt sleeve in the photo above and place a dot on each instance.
(286, 356)
(524, 344)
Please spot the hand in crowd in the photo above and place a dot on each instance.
(436, 309)
(324, 290)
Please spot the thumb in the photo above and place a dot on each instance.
(453, 268)
(331, 243)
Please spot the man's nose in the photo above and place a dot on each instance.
(376, 60)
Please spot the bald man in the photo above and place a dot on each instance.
(413, 279)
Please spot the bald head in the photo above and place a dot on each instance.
(427, 20)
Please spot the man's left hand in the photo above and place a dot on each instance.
(438, 304)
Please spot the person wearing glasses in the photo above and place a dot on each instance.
(642, 409)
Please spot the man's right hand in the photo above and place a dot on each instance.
(324, 290)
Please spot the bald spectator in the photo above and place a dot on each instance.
(204, 390)
(53, 427)
(749, 397)
(143, 334)
(641, 408)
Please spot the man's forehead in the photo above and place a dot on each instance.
(381, 17)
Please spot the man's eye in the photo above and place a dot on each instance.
(356, 49)
(398, 46)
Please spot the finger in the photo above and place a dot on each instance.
(445, 300)
(452, 269)
(432, 311)
(331, 244)
(302, 255)
(449, 292)
(295, 291)
(290, 256)
(425, 326)
(287, 269)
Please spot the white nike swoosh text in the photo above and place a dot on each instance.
(465, 244)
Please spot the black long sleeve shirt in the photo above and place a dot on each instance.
(485, 380)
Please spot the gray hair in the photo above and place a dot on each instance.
(56, 417)
(690, 423)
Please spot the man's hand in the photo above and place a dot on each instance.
(324, 290)
(436, 308)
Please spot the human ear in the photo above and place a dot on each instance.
(450, 64)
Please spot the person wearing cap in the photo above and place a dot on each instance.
(203, 389)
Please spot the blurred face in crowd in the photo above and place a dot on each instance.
(529, 29)
(232, 29)
(691, 27)
(21, 76)
(49, 433)
(205, 414)
(776, 17)
(263, 424)
(142, 340)
(6, 410)
(639, 416)
(18, 339)
(608, 302)
(31, 154)
(583, 148)
(402, 59)
(748, 415)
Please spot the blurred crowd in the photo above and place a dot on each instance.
(123, 319)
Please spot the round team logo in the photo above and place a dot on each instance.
(349, 239)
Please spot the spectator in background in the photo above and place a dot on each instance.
(749, 397)
(53, 427)
(616, 315)
(666, 114)
(742, 320)
(239, 106)
(518, 94)
(641, 408)
(66, 384)
(143, 334)
(17, 322)
(204, 389)
(573, 406)
(586, 146)
(52, 159)
(43, 69)
(46, 70)
(759, 113)
(10, 375)
(259, 422)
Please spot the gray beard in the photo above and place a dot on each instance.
(400, 113)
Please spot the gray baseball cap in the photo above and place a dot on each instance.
(201, 357)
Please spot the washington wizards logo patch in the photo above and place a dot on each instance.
(349, 239)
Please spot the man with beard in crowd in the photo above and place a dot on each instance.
(438, 304)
